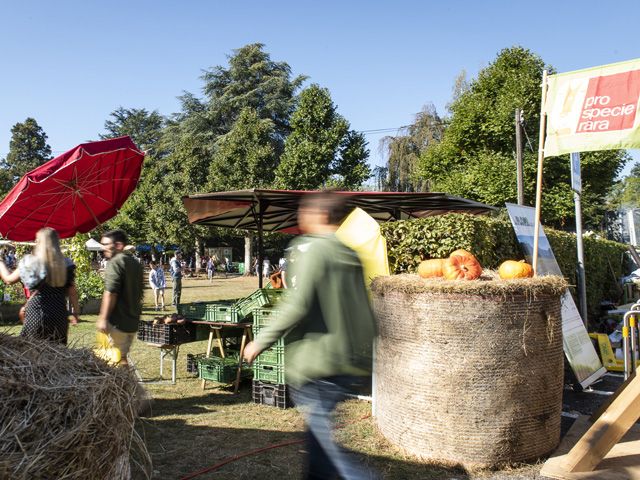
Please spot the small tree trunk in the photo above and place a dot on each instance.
(197, 269)
(247, 255)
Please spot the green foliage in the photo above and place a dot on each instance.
(404, 151)
(475, 158)
(493, 241)
(320, 145)
(144, 127)
(245, 157)
(626, 192)
(89, 285)
(28, 149)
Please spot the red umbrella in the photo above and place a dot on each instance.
(74, 192)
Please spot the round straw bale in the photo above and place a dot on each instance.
(469, 372)
(65, 414)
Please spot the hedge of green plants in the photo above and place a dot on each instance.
(492, 240)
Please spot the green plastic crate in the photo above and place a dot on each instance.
(226, 312)
(267, 372)
(273, 355)
(193, 311)
(216, 369)
(261, 317)
(257, 299)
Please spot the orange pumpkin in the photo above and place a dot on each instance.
(514, 269)
(430, 268)
(461, 267)
(462, 252)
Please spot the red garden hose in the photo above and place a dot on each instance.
(215, 467)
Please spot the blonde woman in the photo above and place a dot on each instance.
(49, 278)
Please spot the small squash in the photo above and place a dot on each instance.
(514, 269)
(461, 267)
(430, 268)
(463, 252)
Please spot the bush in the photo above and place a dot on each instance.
(89, 285)
(493, 240)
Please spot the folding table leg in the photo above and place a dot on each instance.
(239, 372)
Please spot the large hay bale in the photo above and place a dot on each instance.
(65, 414)
(469, 372)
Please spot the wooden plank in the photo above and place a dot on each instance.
(621, 463)
(606, 431)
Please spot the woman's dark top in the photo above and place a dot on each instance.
(46, 313)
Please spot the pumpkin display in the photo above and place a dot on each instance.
(461, 266)
(430, 268)
(462, 252)
(514, 269)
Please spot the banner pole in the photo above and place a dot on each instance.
(543, 124)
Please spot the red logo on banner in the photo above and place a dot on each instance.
(611, 103)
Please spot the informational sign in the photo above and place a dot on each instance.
(577, 345)
(593, 109)
(576, 177)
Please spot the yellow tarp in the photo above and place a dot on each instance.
(361, 232)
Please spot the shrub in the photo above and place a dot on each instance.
(492, 240)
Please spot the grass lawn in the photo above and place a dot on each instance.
(191, 429)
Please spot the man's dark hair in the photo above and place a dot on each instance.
(327, 201)
(116, 236)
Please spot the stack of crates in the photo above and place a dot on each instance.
(223, 311)
(269, 380)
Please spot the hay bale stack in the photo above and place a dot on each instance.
(469, 372)
(65, 414)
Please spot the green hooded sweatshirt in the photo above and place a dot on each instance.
(327, 317)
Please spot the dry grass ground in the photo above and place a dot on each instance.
(191, 429)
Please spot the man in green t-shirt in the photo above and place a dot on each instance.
(122, 299)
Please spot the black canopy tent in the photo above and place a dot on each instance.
(276, 210)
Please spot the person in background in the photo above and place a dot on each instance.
(175, 269)
(211, 268)
(266, 268)
(330, 329)
(49, 278)
(158, 284)
(122, 299)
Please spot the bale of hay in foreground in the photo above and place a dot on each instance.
(469, 372)
(65, 414)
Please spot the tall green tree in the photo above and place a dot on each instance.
(475, 158)
(144, 127)
(245, 157)
(321, 145)
(404, 150)
(28, 149)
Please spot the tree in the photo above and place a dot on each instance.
(144, 127)
(245, 157)
(476, 155)
(321, 145)
(404, 150)
(28, 149)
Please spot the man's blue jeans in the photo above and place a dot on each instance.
(326, 459)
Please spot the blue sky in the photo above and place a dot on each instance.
(69, 64)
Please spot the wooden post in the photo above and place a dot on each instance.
(623, 412)
(260, 244)
(519, 179)
(541, 137)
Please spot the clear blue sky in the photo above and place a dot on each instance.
(69, 64)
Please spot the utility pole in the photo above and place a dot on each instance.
(519, 179)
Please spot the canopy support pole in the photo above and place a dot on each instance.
(260, 242)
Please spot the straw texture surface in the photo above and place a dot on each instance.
(469, 372)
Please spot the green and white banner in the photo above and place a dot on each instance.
(593, 109)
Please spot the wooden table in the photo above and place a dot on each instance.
(214, 332)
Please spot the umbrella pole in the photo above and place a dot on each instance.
(260, 246)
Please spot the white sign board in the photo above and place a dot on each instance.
(577, 345)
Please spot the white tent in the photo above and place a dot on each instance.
(93, 245)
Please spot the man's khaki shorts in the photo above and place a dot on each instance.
(121, 340)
